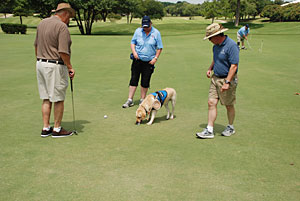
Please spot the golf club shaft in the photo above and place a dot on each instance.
(74, 126)
(249, 45)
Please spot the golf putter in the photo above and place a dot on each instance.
(74, 126)
(249, 45)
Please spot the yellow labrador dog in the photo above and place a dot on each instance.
(153, 102)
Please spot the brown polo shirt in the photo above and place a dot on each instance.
(52, 38)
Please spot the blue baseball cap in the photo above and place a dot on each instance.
(146, 21)
(247, 25)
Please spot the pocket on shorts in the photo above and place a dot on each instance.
(61, 82)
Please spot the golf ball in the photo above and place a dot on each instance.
(105, 116)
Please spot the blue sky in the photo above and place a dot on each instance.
(190, 1)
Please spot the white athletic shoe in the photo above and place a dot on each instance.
(228, 131)
(127, 104)
(205, 134)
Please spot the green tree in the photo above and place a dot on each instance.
(211, 10)
(127, 7)
(86, 12)
(6, 6)
(43, 7)
(105, 7)
(237, 13)
(22, 9)
(191, 10)
(153, 9)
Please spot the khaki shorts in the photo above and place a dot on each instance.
(52, 81)
(239, 38)
(227, 97)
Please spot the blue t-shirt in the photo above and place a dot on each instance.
(242, 31)
(146, 46)
(224, 55)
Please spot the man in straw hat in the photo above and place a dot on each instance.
(223, 80)
(53, 66)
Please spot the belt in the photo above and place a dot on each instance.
(51, 61)
(221, 76)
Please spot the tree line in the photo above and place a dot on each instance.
(89, 11)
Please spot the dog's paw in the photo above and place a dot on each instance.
(149, 123)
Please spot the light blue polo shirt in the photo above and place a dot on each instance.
(146, 46)
(242, 31)
(224, 55)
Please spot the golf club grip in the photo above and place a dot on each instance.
(71, 81)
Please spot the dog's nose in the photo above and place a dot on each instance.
(137, 123)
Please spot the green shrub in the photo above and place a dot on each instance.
(114, 17)
(279, 14)
(13, 28)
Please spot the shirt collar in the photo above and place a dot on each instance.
(149, 32)
(225, 41)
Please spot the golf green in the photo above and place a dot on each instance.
(113, 159)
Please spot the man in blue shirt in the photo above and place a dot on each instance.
(223, 81)
(146, 46)
(242, 34)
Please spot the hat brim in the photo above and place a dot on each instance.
(214, 34)
(146, 25)
(71, 10)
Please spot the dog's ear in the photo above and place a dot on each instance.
(156, 104)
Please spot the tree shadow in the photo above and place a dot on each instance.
(230, 25)
(79, 125)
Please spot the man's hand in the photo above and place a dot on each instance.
(135, 55)
(153, 61)
(71, 73)
(208, 73)
(225, 87)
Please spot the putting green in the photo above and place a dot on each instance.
(113, 159)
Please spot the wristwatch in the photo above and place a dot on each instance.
(227, 82)
(156, 58)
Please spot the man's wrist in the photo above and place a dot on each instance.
(156, 58)
(227, 82)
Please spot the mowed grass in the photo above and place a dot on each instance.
(113, 159)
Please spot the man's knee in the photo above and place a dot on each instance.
(229, 107)
(212, 102)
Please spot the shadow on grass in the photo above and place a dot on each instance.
(79, 125)
(218, 128)
(157, 120)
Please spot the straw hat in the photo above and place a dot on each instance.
(65, 6)
(213, 30)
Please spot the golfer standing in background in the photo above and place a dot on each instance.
(146, 46)
(53, 66)
(242, 34)
(223, 80)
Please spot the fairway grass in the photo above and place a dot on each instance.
(113, 159)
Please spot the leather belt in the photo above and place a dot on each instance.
(51, 61)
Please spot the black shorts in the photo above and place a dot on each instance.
(143, 68)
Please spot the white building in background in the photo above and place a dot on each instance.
(296, 1)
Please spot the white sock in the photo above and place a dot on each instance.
(231, 126)
(210, 129)
(46, 128)
(57, 129)
(130, 99)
